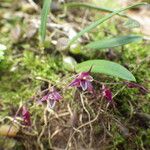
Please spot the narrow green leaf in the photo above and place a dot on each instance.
(44, 17)
(90, 6)
(114, 42)
(106, 67)
(87, 5)
(99, 21)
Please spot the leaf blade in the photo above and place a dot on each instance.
(114, 42)
(87, 5)
(44, 17)
(106, 67)
(99, 21)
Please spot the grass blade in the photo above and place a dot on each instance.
(114, 42)
(87, 5)
(44, 17)
(99, 21)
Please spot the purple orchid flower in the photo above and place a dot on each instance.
(51, 98)
(106, 93)
(142, 89)
(26, 116)
(83, 80)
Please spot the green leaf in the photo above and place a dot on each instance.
(114, 42)
(99, 21)
(90, 6)
(44, 17)
(87, 5)
(106, 67)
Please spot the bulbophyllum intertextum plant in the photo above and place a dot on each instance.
(82, 82)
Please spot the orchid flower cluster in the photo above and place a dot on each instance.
(82, 81)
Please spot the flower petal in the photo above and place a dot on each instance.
(75, 82)
(56, 96)
(90, 87)
(84, 85)
(51, 103)
(83, 75)
(44, 98)
(26, 116)
(141, 88)
(89, 78)
(107, 94)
